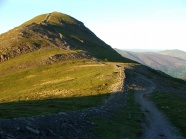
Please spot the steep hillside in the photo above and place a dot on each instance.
(54, 30)
(52, 57)
(171, 65)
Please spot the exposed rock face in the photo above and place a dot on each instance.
(4, 57)
(63, 57)
(32, 38)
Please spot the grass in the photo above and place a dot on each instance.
(26, 79)
(47, 106)
(27, 76)
(67, 79)
(29, 60)
(124, 124)
(174, 107)
(74, 33)
(81, 36)
(55, 18)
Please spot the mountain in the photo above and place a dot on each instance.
(174, 53)
(59, 80)
(167, 61)
(54, 56)
(54, 30)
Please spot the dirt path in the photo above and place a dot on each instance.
(47, 18)
(155, 125)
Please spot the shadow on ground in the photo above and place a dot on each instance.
(47, 106)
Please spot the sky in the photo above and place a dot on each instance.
(123, 24)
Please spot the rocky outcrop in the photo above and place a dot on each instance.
(32, 38)
(54, 30)
(70, 56)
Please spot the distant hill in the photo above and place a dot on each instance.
(170, 62)
(175, 53)
(54, 30)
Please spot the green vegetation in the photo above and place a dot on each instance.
(27, 73)
(47, 106)
(28, 78)
(56, 18)
(124, 124)
(30, 60)
(67, 79)
(81, 36)
(55, 30)
(174, 106)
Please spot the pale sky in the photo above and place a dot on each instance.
(123, 24)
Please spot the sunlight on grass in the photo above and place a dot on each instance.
(66, 79)
(21, 87)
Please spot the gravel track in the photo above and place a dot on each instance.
(155, 124)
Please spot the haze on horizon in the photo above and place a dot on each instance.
(123, 24)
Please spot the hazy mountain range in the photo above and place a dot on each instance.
(172, 62)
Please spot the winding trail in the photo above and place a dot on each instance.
(47, 18)
(155, 125)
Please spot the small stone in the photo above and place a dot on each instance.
(33, 130)
(8, 136)
(18, 128)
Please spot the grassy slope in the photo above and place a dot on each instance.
(27, 78)
(174, 106)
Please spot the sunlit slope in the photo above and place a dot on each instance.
(53, 63)
(33, 76)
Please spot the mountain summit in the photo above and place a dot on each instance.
(54, 30)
